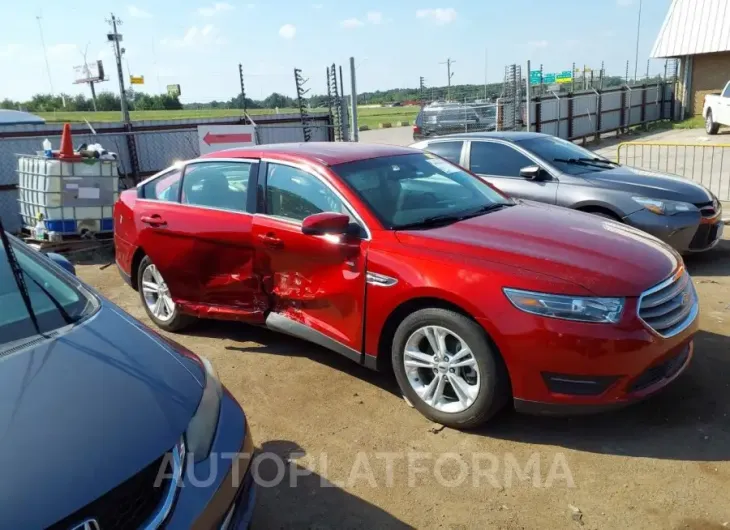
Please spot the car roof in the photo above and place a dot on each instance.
(510, 136)
(326, 153)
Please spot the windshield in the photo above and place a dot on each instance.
(557, 152)
(408, 189)
(15, 322)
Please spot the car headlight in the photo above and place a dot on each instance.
(662, 207)
(579, 308)
(201, 429)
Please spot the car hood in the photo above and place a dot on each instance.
(650, 184)
(86, 410)
(602, 256)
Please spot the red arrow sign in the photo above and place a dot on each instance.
(231, 138)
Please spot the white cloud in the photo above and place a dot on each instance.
(351, 23)
(439, 15)
(196, 36)
(218, 7)
(624, 3)
(538, 44)
(287, 31)
(137, 12)
(375, 17)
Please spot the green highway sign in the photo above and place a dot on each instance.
(539, 78)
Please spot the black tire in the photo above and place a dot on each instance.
(710, 126)
(494, 389)
(178, 321)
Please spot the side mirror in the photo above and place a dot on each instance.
(326, 223)
(62, 262)
(531, 172)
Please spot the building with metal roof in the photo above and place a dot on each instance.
(18, 117)
(698, 33)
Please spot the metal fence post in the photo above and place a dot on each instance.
(353, 101)
(643, 105)
(570, 115)
(528, 97)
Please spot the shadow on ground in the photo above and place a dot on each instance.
(268, 342)
(715, 262)
(688, 420)
(308, 500)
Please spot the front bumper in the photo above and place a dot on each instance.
(219, 492)
(689, 232)
(580, 367)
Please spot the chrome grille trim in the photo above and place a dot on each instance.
(671, 306)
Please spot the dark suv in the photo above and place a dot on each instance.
(449, 118)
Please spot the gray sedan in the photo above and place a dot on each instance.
(547, 169)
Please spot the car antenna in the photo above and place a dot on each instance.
(18, 274)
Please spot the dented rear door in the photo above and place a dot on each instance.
(220, 198)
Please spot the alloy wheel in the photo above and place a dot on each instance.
(441, 369)
(157, 294)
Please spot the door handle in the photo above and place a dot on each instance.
(153, 220)
(270, 240)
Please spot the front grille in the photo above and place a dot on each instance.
(671, 306)
(128, 505)
(661, 371)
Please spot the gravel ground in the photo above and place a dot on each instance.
(660, 464)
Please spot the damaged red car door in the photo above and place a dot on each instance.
(220, 202)
(316, 282)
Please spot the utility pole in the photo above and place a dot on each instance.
(450, 74)
(353, 101)
(45, 53)
(115, 38)
(243, 88)
(638, 32)
(486, 57)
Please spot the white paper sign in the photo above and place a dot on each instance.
(88, 193)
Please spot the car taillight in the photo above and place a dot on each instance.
(416, 129)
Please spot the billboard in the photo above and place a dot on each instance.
(89, 73)
(173, 90)
(136, 79)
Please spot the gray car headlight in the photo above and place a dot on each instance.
(578, 308)
(662, 207)
(201, 429)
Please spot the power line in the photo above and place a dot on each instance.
(45, 53)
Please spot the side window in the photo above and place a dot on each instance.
(451, 151)
(726, 93)
(295, 194)
(222, 185)
(163, 188)
(489, 158)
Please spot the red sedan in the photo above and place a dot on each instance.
(397, 258)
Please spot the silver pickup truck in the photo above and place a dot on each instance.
(716, 110)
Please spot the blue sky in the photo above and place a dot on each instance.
(199, 43)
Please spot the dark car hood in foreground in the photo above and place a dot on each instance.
(602, 256)
(650, 184)
(81, 413)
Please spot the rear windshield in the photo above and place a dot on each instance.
(455, 114)
(44, 285)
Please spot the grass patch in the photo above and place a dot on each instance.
(370, 116)
(695, 122)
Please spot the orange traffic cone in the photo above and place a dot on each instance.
(67, 147)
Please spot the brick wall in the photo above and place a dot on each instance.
(710, 73)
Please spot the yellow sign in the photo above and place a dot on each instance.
(136, 79)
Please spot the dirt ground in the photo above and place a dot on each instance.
(660, 464)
